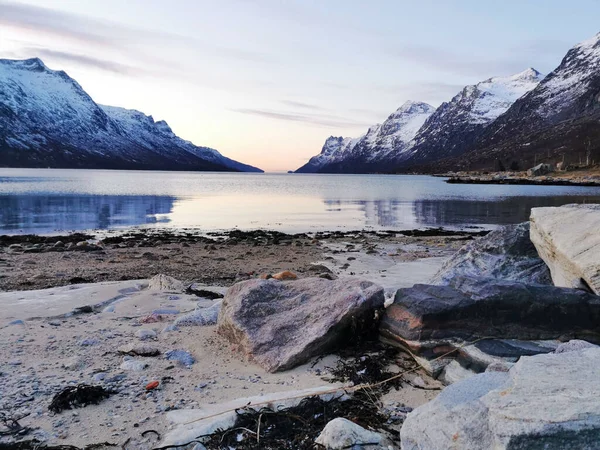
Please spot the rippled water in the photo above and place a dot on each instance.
(47, 201)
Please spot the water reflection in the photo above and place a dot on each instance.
(404, 214)
(49, 213)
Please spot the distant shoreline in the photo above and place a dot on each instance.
(522, 181)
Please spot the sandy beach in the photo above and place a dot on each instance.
(55, 333)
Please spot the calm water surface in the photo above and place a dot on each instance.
(54, 200)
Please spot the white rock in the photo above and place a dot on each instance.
(545, 401)
(567, 238)
(165, 283)
(454, 373)
(573, 346)
(342, 433)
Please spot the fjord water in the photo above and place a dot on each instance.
(55, 200)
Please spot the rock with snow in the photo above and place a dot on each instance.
(48, 120)
(506, 254)
(341, 433)
(281, 324)
(568, 240)
(544, 401)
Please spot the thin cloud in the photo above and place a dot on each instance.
(302, 105)
(322, 120)
(81, 29)
(83, 60)
(448, 61)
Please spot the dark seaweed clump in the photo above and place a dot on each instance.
(297, 427)
(77, 397)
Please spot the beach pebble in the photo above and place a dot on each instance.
(145, 334)
(88, 342)
(99, 376)
(181, 356)
(133, 365)
(17, 322)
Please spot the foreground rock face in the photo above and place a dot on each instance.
(433, 320)
(283, 324)
(568, 240)
(544, 402)
(482, 307)
(506, 253)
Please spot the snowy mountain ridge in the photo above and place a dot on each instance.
(393, 136)
(48, 120)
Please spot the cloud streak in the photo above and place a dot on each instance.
(318, 119)
(88, 61)
(111, 35)
(441, 59)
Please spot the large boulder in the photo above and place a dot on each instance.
(568, 240)
(506, 253)
(433, 320)
(281, 324)
(545, 402)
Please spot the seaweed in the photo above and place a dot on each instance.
(77, 397)
(296, 427)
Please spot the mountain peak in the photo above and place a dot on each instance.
(411, 106)
(529, 73)
(34, 64)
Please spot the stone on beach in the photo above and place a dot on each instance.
(144, 335)
(280, 325)
(200, 316)
(544, 402)
(133, 365)
(567, 238)
(341, 433)
(506, 253)
(165, 283)
(139, 349)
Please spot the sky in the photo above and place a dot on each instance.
(265, 82)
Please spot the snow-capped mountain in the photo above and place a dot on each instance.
(558, 119)
(48, 120)
(390, 140)
(457, 124)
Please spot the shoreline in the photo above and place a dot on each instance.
(521, 181)
(37, 262)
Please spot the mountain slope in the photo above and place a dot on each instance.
(48, 120)
(370, 152)
(456, 125)
(559, 118)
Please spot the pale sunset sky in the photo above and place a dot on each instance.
(266, 82)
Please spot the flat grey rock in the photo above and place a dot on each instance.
(547, 402)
